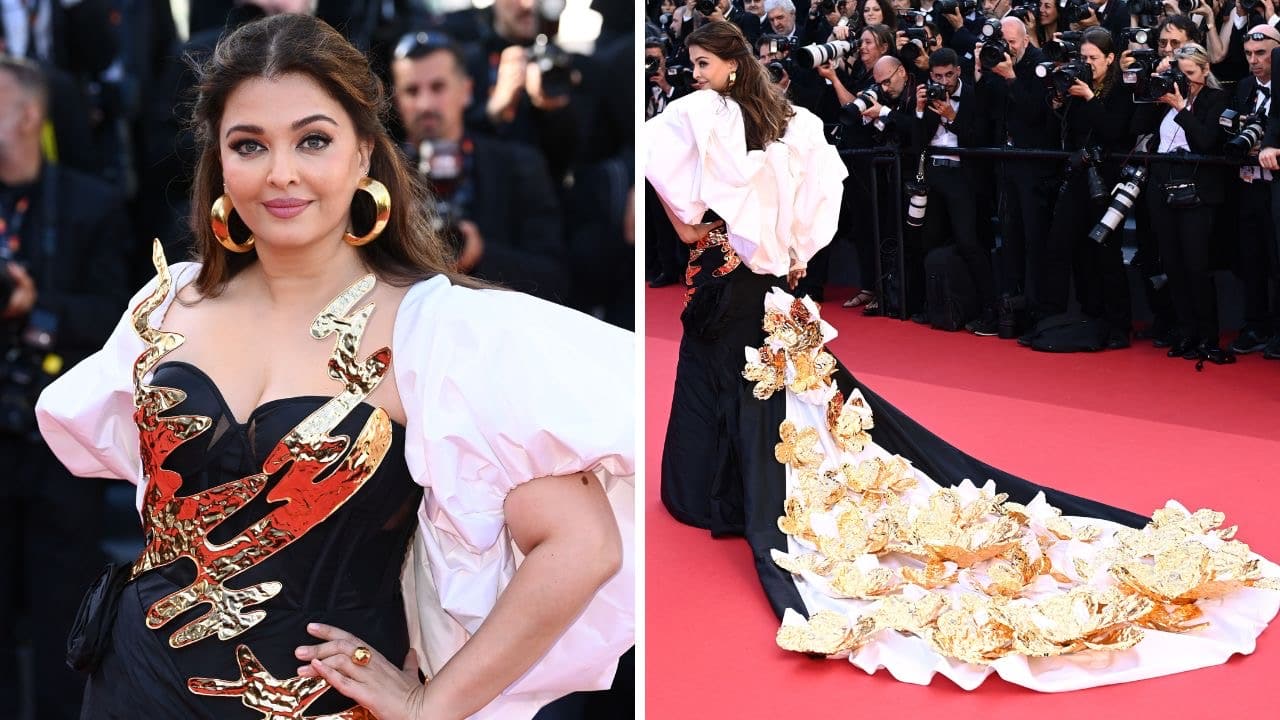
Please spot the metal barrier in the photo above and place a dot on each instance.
(891, 157)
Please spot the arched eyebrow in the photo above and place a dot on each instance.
(257, 130)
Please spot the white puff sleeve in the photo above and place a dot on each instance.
(500, 388)
(86, 415)
(778, 202)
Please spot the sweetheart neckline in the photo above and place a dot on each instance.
(231, 416)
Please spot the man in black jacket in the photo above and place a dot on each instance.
(64, 241)
(749, 24)
(1020, 118)
(1111, 14)
(497, 194)
(1259, 259)
(956, 121)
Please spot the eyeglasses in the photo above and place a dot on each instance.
(1260, 36)
(1168, 42)
(417, 44)
(885, 82)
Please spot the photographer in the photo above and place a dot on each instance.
(658, 92)
(1048, 22)
(64, 245)
(495, 199)
(804, 87)
(749, 24)
(1183, 197)
(781, 16)
(1112, 15)
(1231, 65)
(1095, 114)
(948, 114)
(883, 118)
(1018, 102)
(1257, 260)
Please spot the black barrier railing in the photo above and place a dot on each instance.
(891, 157)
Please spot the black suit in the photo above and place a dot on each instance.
(1101, 284)
(1185, 234)
(749, 24)
(513, 203)
(952, 197)
(1116, 17)
(52, 521)
(1258, 257)
(1021, 118)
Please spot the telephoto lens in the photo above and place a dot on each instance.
(917, 202)
(812, 56)
(1123, 197)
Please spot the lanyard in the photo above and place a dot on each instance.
(11, 228)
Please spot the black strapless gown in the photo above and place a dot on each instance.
(344, 571)
(718, 466)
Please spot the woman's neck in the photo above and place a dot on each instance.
(309, 275)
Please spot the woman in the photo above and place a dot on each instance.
(875, 41)
(1045, 24)
(277, 510)
(876, 12)
(1183, 198)
(776, 447)
(1095, 115)
(750, 225)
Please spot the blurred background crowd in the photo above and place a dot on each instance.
(513, 112)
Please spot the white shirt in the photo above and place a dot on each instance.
(15, 27)
(1172, 136)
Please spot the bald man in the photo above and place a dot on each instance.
(1021, 118)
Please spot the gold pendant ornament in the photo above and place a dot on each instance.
(382, 202)
(220, 222)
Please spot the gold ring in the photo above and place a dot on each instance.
(361, 656)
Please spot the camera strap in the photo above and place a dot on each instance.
(920, 167)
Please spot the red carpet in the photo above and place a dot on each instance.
(1132, 428)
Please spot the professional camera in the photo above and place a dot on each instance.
(1247, 131)
(1066, 47)
(1147, 12)
(1024, 10)
(1074, 11)
(914, 18)
(1091, 159)
(1060, 78)
(778, 43)
(1123, 197)
(860, 104)
(994, 48)
(935, 91)
(555, 65)
(779, 68)
(705, 7)
(25, 371)
(812, 56)
(1138, 35)
(680, 76)
(1163, 83)
(917, 41)
(651, 65)
(1138, 75)
(946, 7)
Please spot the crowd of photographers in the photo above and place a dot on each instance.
(1091, 115)
(528, 149)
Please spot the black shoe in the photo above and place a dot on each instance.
(921, 318)
(1184, 348)
(662, 280)
(1162, 341)
(1117, 340)
(1215, 354)
(985, 326)
(1251, 340)
(1272, 351)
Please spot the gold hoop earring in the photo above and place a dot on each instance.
(733, 77)
(381, 201)
(219, 221)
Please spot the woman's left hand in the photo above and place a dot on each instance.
(390, 693)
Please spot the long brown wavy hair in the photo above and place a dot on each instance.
(765, 110)
(408, 250)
